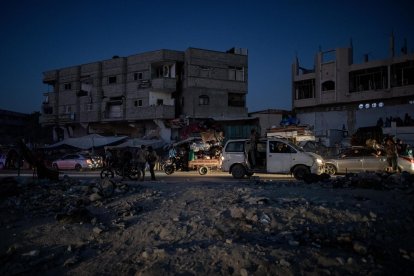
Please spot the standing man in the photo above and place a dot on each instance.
(141, 161)
(391, 153)
(151, 159)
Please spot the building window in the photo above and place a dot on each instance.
(203, 100)
(68, 109)
(47, 110)
(368, 79)
(111, 79)
(328, 85)
(402, 74)
(67, 86)
(237, 100)
(305, 89)
(236, 73)
(89, 107)
(138, 76)
(205, 72)
(138, 103)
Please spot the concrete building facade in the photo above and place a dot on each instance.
(338, 94)
(138, 95)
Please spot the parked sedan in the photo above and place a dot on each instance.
(73, 162)
(356, 159)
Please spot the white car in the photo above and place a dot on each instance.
(274, 155)
(73, 162)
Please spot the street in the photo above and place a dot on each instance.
(211, 176)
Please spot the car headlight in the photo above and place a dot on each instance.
(319, 161)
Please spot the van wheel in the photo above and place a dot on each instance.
(300, 171)
(203, 170)
(238, 171)
(169, 169)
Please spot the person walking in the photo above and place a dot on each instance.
(141, 162)
(152, 158)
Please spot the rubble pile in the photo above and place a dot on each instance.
(343, 225)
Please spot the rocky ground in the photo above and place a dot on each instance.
(355, 224)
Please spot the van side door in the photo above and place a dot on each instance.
(279, 157)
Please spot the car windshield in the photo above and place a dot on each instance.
(296, 147)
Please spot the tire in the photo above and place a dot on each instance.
(133, 174)
(300, 171)
(238, 171)
(330, 169)
(169, 169)
(78, 167)
(203, 170)
(107, 173)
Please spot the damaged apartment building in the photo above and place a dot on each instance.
(147, 94)
(338, 94)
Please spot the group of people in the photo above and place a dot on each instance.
(139, 159)
(407, 121)
(391, 149)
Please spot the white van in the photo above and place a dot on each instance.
(274, 155)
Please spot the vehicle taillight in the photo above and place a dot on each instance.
(409, 159)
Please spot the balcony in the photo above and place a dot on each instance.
(67, 117)
(152, 112)
(164, 84)
(48, 119)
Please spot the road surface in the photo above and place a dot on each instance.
(211, 176)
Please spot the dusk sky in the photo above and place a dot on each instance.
(41, 35)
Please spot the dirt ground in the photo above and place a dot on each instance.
(360, 225)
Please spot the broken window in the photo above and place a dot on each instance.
(111, 79)
(328, 85)
(368, 79)
(402, 74)
(305, 89)
(47, 110)
(237, 100)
